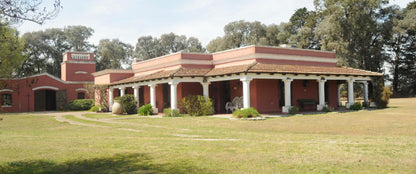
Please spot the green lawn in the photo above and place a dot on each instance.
(380, 141)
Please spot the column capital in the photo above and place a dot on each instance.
(288, 79)
(135, 86)
(364, 82)
(173, 83)
(351, 80)
(152, 85)
(246, 78)
(321, 80)
(205, 83)
(122, 88)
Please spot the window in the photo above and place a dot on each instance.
(6, 100)
(81, 95)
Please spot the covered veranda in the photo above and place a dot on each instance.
(266, 87)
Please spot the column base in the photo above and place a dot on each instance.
(320, 107)
(285, 109)
(155, 110)
(348, 104)
(366, 104)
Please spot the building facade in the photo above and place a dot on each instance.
(270, 79)
(42, 92)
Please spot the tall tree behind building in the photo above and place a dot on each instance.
(149, 47)
(402, 49)
(44, 49)
(112, 54)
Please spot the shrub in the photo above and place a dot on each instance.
(81, 104)
(146, 109)
(95, 108)
(129, 103)
(293, 110)
(196, 105)
(327, 109)
(381, 94)
(356, 106)
(171, 113)
(246, 113)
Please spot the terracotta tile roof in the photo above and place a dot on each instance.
(304, 69)
(229, 70)
(250, 68)
(187, 72)
(180, 72)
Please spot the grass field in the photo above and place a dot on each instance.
(379, 141)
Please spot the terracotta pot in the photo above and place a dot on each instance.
(117, 108)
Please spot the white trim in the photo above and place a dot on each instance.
(174, 63)
(275, 57)
(6, 90)
(53, 77)
(78, 62)
(81, 72)
(81, 89)
(45, 87)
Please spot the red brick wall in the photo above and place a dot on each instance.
(69, 69)
(24, 87)
(264, 95)
(332, 93)
(301, 92)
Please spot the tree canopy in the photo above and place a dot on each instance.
(28, 10)
(148, 47)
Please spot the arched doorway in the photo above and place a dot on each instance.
(45, 100)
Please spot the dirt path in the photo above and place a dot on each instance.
(59, 117)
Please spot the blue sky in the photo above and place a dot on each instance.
(128, 20)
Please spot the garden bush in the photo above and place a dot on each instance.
(81, 104)
(246, 113)
(129, 103)
(293, 110)
(327, 109)
(196, 105)
(171, 113)
(95, 108)
(145, 110)
(356, 106)
(381, 94)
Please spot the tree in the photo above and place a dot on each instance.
(149, 47)
(77, 37)
(44, 48)
(402, 49)
(112, 54)
(354, 30)
(10, 51)
(29, 10)
(241, 33)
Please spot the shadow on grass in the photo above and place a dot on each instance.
(130, 163)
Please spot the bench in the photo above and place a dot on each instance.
(307, 102)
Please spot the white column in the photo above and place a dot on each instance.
(321, 94)
(110, 91)
(365, 91)
(288, 95)
(122, 90)
(246, 91)
(136, 93)
(350, 92)
(205, 89)
(339, 96)
(173, 95)
(153, 95)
